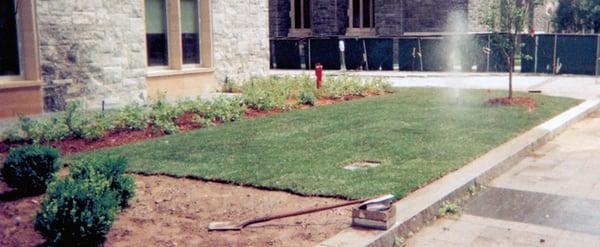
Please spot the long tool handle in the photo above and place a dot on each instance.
(296, 213)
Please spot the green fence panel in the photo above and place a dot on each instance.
(326, 52)
(408, 54)
(528, 54)
(354, 54)
(286, 54)
(545, 54)
(380, 53)
(576, 54)
(433, 54)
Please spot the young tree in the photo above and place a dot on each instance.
(506, 19)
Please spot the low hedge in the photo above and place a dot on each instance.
(30, 169)
(80, 209)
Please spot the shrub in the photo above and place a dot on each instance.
(114, 169)
(192, 106)
(163, 115)
(377, 86)
(12, 135)
(85, 125)
(131, 117)
(266, 93)
(30, 169)
(226, 109)
(44, 130)
(307, 97)
(77, 212)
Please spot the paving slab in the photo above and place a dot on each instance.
(553, 193)
(469, 230)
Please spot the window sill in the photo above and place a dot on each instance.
(360, 32)
(8, 84)
(299, 33)
(171, 72)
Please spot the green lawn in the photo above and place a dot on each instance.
(420, 134)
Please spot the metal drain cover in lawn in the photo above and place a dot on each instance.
(362, 165)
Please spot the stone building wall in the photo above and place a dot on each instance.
(279, 16)
(328, 17)
(431, 15)
(240, 38)
(392, 17)
(389, 17)
(91, 51)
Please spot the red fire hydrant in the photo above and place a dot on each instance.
(319, 74)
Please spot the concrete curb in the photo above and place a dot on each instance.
(420, 207)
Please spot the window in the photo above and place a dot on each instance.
(361, 14)
(156, 33)
(9, 41)
(190, 38)
(301, 14)
(178, 33)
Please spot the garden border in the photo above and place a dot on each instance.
(420, 207)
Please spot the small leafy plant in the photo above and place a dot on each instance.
(226, 109)
(448, 208)
(30, 169)
(162, 116)
(114, 169)
(131, 117)
(307, 98)
(78, 212)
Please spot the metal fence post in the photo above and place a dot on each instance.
(535, 55)
(554, 64)
(489, 44)
(597, 57)
(420, 54)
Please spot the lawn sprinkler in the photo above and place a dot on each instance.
(378, 202)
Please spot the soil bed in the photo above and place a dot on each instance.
(518, 101)
(175, 212)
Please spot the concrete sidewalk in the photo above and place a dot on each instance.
(550, 198)
(581, 87)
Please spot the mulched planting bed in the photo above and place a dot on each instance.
(185, 123)
(517, 101)
(168, 211)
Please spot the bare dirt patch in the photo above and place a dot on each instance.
(175, 212)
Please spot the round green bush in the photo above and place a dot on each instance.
(30, 169)
(113, 168)
(77, 212)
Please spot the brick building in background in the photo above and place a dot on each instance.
(114, 52)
